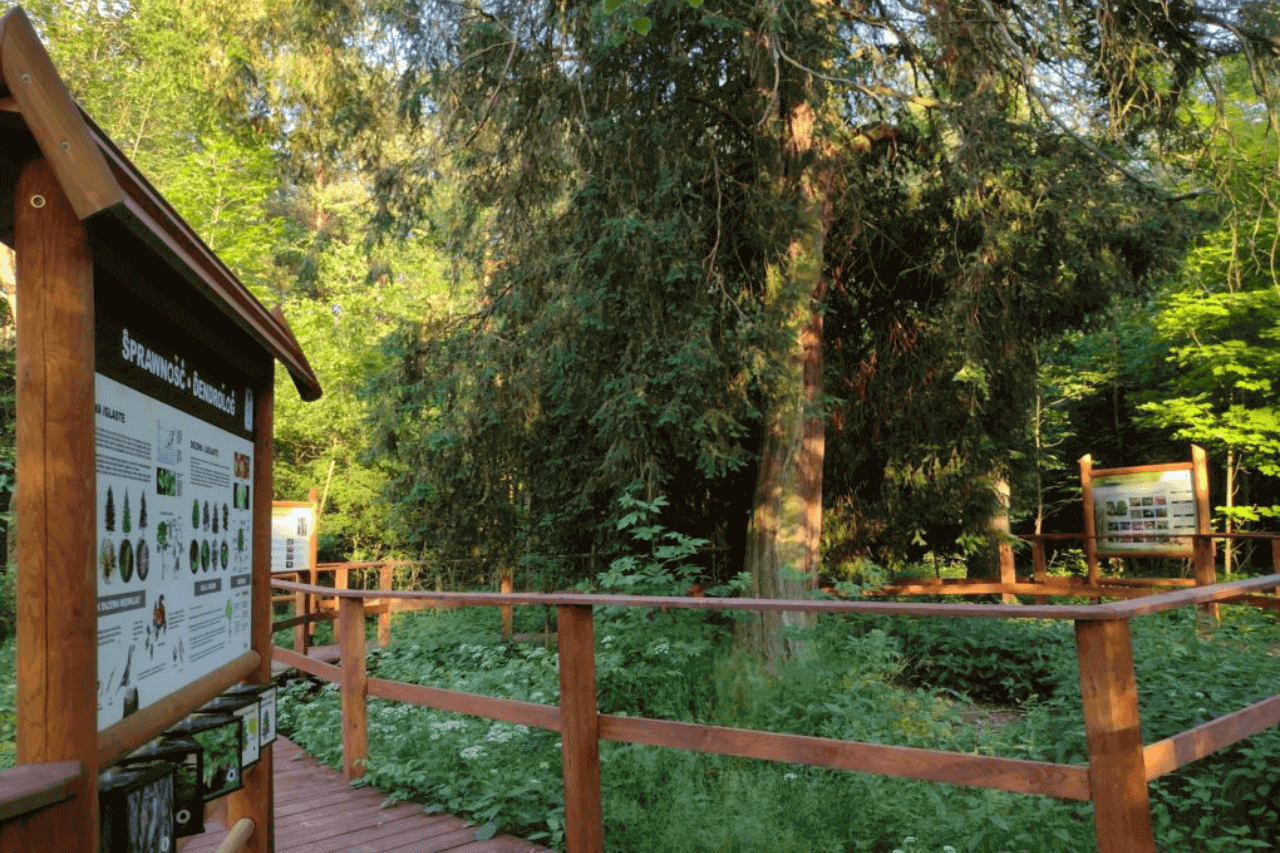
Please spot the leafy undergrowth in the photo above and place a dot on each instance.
(8, 694)
(884, 681)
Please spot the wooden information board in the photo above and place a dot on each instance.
(145, 384)
(293, 536)
(1145, 510)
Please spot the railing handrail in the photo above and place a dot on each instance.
(29, 788)
(1095, 612)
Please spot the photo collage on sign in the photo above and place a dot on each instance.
(1144, 511)
(1145, 515)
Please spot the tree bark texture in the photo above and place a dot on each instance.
(784, 535)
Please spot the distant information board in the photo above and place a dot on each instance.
(1145, 511)
(174, 443)
(292, 526)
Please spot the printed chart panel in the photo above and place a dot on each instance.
(174, 567)
(291, 531)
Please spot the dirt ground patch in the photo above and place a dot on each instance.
(987, 718)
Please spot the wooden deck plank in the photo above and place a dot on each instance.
(450, 841)
(501, 844)
(394, 837)
(374, 839)
(316, 811)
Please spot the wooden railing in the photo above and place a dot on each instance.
(1115, 779)
(35, 798)
(310, 609)
(37, 802)
(1042, 585)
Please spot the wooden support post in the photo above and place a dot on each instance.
(1275, 566)
(1008, 573)
(254, 804)
(1205, 571)
(1090, 521)
(385, 575)
(580, 736)
(1204, 557)
(313, 606)
(301, 607)
(313, 575)
(1039, 571)
(508, 587)
(341, 580)
(57, 626)
(355, 688)
(1117, 774)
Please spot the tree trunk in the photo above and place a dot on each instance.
(1228, 550)
(994, 559)
(784, 535)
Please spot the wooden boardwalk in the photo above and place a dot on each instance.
(317, 812)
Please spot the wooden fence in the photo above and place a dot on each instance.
(1115, 779)
(1042, 585)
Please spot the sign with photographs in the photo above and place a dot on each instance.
(1143, 513)
(174, 443)
(292, 527)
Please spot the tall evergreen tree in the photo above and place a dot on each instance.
(658, 196)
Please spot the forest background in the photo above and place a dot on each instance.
(847, 288)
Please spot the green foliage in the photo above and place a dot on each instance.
(656, 799)
(365, 294)
(265, 126)
(442, 760)
(8, 472)
(934, 338)
(996, 661)
(1205, 375)
(8, 695)
(1185, 677)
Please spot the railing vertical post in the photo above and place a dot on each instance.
(355, 687)
(1275, 566)
(1117, 775)
(1090, 523)
(301, 607)
(341, 580)
(580, 733)
(312, 603)
(507, 587)
(1205, 571)
(384, 618)
(1039, 571)
(1202, 546)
